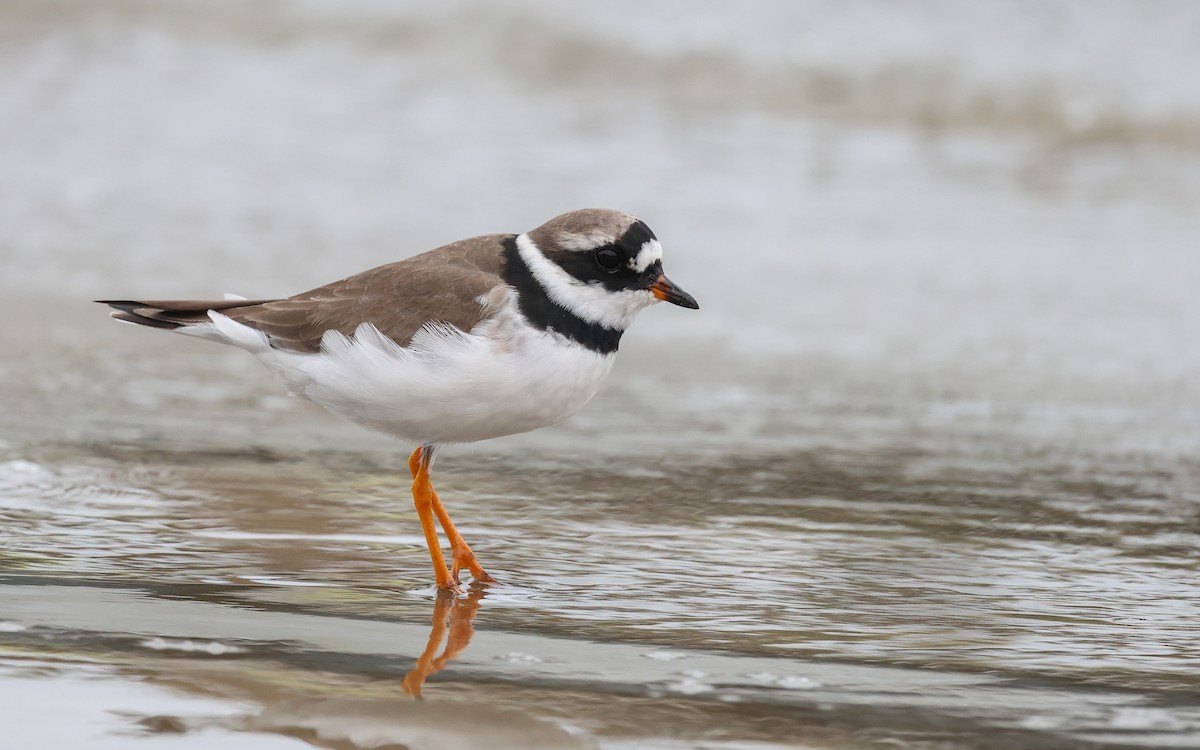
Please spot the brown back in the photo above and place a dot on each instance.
(448, 285)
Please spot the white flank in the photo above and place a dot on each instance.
(502, 378)
(592, 302)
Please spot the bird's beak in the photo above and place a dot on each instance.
(668, 292)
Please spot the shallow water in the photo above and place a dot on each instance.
(920, 473)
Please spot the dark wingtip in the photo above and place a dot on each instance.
(127, 312)
(118, 304)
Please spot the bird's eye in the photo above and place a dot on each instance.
(608, 259)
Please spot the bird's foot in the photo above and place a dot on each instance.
(463, 557)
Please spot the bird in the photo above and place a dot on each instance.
(482, 338)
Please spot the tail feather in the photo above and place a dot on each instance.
(172, 314)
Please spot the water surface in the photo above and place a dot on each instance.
(921, 472)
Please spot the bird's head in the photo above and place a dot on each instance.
(604, 265)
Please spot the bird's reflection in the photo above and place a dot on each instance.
(450, 614)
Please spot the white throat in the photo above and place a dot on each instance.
(592, 302)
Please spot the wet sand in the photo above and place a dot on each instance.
(814, 598)
(920, 473)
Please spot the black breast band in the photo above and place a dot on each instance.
(546, 314)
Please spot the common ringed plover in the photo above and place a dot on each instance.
(484, 337)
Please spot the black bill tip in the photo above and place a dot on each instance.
(665, 290)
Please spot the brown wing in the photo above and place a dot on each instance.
(445, 285)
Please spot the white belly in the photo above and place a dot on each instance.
(447, 386)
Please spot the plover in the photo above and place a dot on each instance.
(484, 337)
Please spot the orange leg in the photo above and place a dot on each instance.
(461, 554)
(460, 551)
(423, 498)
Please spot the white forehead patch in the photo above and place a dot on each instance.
(651, 251)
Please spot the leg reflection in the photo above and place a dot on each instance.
(460, 613)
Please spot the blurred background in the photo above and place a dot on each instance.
(943, 379)
(987, 200)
